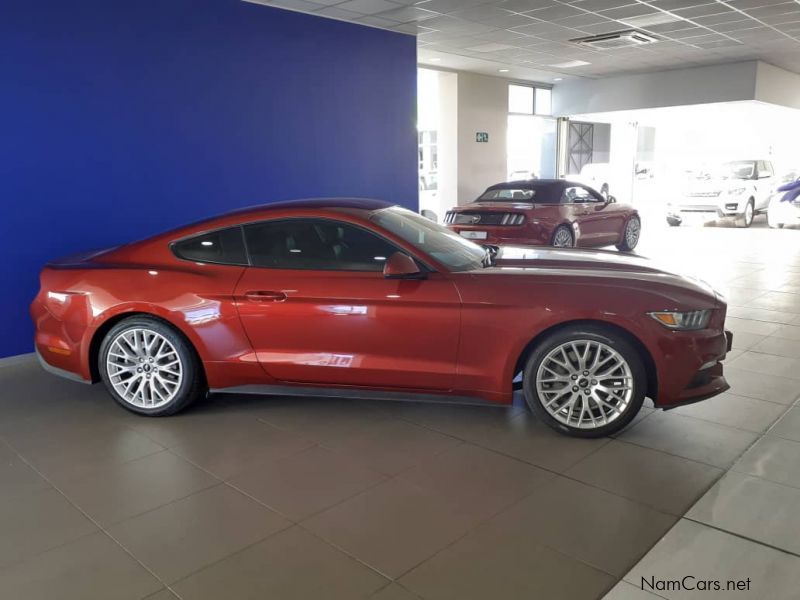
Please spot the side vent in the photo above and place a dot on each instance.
(617, 39)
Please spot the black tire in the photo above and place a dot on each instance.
(563, 230)
(192, 384)
(625, 245)
(591, 333)
(743, 220)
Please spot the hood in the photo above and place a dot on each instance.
(627, 270)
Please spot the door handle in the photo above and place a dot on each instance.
(265, 296)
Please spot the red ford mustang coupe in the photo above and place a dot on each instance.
(359, 298)
(547, 212)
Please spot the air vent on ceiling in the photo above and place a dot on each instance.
(617, 39)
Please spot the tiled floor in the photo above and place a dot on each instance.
(291, 499)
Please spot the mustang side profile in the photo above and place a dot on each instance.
(359, 298)
(547, 212)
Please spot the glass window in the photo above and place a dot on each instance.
(316, 244)
(224, 246)
(511, 194)
(520, 99)
(544, 101)
(447, 247)
(577, 195)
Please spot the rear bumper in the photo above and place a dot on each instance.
(60, 372)
(528, 234)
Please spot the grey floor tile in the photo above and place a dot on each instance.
(499, 563)
(290, 565)
(93, 567)
(742, 340)
(36, 522)
(735, 411)
(788, 426)
(391, 446)
(183, 537)
(132, 488)
(750, 326)
(235, 450)
(772, 458)
(584, 522)
(17, 478)
(307, 482)
(702, 441)
(768, 364)
(754, 508)
(394, 592)
(626, 591)
(481, 482)
(663, 481)
(762, 387)
(393, 526)
(779, 347)
(760, 314)
(164, 594)
(789, 332)
(705, 553)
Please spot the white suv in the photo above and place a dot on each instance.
(740, 189)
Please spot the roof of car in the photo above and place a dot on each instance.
(527, 184)
(353, 203)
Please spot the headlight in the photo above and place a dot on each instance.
(736, 192)
(690, 320)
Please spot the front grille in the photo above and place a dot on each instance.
(484, 218)
(703, 194)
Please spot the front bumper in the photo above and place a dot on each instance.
(699, 373)
(731, 208)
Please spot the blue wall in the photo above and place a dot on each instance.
(122, 119)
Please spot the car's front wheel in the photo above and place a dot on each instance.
(149, 368)
(585, 381)
(749, 214)
(630, 237)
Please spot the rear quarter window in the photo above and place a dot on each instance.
(224, 247)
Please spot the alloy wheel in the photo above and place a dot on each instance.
(584, 384)
(562, 239)
(144, 368)
(632, 232)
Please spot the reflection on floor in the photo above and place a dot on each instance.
(293, 498)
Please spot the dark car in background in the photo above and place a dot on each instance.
(546, 212)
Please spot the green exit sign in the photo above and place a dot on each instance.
(482, 137)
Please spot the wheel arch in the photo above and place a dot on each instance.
(102, 330)
(647, 358)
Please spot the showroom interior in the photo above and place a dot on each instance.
(125, 120)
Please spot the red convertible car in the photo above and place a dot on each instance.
(547, 212)
(360, 298)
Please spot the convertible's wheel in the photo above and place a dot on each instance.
(749, 213)
(630, 236)
(149, 368)
(562, 237)
(585, 381)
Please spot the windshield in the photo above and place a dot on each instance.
(740, 169)
(508, 195)
(448, 248)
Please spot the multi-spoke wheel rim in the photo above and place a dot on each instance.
(562, 239)
(585, 384)
(144, 368)
(632, 233)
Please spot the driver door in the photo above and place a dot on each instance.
(600, 224)
(318, 310)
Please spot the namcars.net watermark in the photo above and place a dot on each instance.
(691, 583)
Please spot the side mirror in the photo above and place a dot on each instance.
(401, 266)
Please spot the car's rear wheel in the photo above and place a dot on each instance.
(749, 213)
(149, 368)
(630, 237)
(585, 381)
(562, 237)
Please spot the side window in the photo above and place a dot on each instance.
(224, 246)
(316, 244)
(764, 169)
(577, 195)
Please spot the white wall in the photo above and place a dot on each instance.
(680, 87)
(482, 106)
(777, 86)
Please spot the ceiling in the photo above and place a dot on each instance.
(529, 39)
